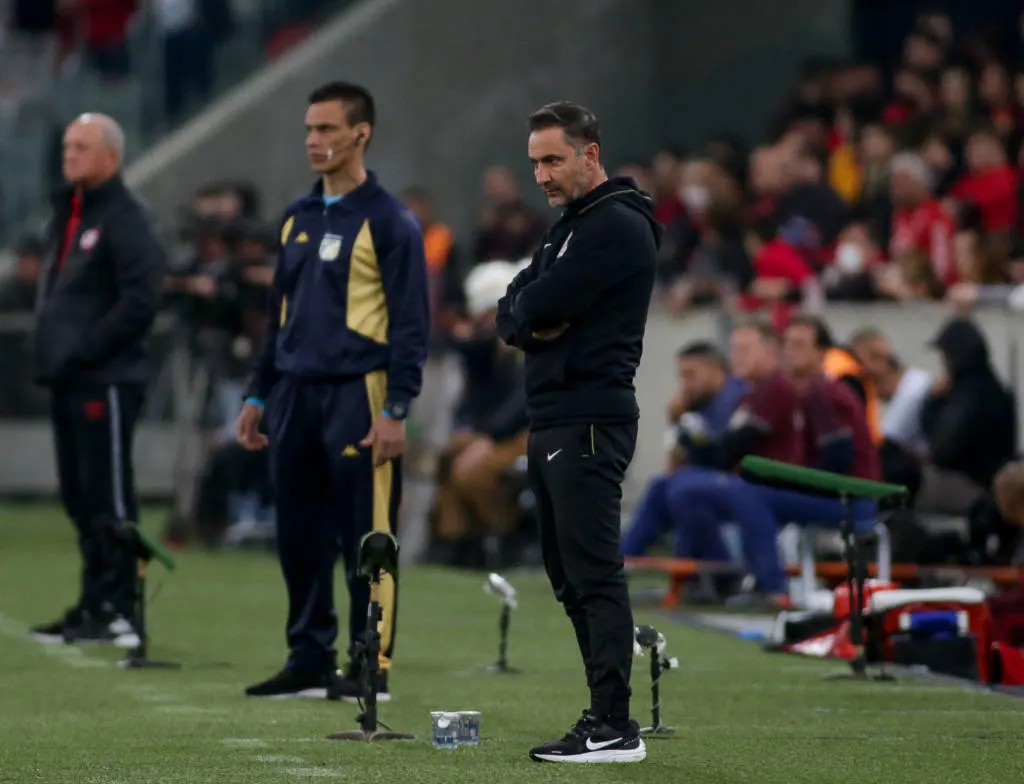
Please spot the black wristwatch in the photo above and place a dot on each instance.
(393, 410)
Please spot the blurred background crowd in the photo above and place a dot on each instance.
(892, 176)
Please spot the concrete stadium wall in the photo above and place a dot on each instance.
(451, 103)
(26, 450)
(454, 82)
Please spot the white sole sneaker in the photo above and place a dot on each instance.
(639, 754)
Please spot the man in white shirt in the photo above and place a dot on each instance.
(904, 390)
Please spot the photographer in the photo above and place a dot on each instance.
(219, 294)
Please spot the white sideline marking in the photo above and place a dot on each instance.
(189, 710)
(244, 743)
(313, 773)
(277, 758)
(66, 654)
(168, 704)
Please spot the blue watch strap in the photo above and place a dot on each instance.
(254, 401)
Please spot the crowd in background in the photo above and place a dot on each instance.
(897, 181)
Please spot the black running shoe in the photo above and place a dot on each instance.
(292, 684)
(347, 687)
(53, 633)
(593, 740)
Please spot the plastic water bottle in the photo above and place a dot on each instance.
(445, 728)
(469, 728)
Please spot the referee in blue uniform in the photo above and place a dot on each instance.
(341, 363)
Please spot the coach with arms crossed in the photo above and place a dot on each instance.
(579, 311)
(99, 293)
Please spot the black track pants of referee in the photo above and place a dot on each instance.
(94, 426)
(576, 473)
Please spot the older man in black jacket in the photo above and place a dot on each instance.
(98, 296)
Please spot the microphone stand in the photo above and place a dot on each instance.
(145, 549)
(496, 584)
(648, 638)
(378, 553)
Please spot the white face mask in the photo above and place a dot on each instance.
(695, 197)
(850, 258)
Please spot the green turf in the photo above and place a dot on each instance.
(741, 715)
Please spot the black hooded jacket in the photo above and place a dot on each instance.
(972, 428)
(579, 310)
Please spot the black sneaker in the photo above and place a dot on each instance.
(347, 687)
(53, 633)
(292, 684)
(592, 740)
(113, 630)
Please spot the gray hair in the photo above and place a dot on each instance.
(914, 166)
(112, 133)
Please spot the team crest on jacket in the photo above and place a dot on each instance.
(89, 238)
(330, 247)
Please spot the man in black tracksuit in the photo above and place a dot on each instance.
(98, 296)
(579, 311)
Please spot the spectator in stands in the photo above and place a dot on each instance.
(958, 101)
(665, 174)
(850, 276)
(18, 292)
(105, 32)
(844, 364)
(810, 197)
(876, 149)
(921, 247)
(686, 216)
(943, 160)
(980, 258)
(990, 182)
(766, 423)
(969, 420)
(472, 503)
(507, 227)
(782, 278)
(444, 269)
(995, 522)
(190, 31)
(903, 390)
(708, 391)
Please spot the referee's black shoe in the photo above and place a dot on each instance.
(292, 683)
(594, 740)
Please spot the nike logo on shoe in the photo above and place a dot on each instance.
(553, 455)
(592, 746)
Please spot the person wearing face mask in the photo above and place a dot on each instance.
(849, 276)
(682, 232)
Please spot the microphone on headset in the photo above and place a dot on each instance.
(330, 153)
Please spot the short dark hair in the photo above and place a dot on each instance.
(578, 122)
(357, 100)
(822, 334)
(703, 349)
(764, 330)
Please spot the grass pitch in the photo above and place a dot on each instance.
(69, 715)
